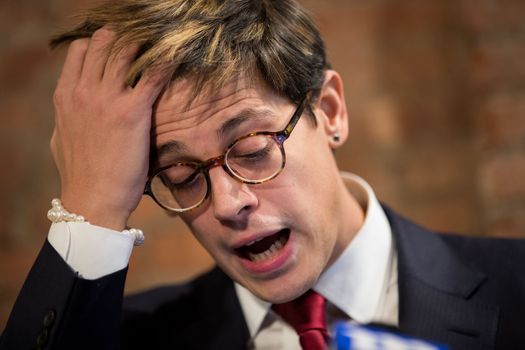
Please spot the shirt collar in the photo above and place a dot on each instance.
(253, 308)
(358, 279)
(360, 289)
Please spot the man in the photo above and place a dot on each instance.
(228, 113)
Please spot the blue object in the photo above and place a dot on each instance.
(349, 336)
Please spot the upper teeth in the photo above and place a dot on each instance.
(254, 241)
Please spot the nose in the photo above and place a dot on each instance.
(231, 199)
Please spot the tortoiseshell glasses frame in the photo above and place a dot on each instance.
(265, 160)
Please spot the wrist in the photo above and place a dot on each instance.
(98, 213)
(58, 214)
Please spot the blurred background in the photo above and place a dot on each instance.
(436, 96)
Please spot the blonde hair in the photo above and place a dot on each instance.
(213, 40)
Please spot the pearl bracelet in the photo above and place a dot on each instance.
(58, 213)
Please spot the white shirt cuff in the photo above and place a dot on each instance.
(91, 251)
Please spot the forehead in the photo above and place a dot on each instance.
(179, 99)
(178, 108)
(182, 119)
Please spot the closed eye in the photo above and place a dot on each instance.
(185, 183)
(255, 156)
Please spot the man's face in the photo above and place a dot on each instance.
(274, 238)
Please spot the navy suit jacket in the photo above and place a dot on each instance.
(468, 293)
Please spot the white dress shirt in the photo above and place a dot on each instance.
(360, 285)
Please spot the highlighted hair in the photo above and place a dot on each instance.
(213, 40)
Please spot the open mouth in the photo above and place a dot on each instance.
(264, 248)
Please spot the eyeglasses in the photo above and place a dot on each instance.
(252, 159)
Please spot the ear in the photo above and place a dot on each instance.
(330, 109)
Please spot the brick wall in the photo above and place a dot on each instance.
(497, 84)
(436, 95)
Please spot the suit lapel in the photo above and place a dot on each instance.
(435, 290)
(203, 314)
(221, 323)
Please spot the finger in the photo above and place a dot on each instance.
(97, 55)
(73, 63)
(119, 63)
(151, 83)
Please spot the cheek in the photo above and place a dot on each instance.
(202, 228)
(308, 175)
(210, 242)
(311, 175)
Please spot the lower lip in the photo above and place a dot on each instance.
(273, 264)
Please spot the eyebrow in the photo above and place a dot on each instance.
(170, 147)
(246, 114)
(223, 132)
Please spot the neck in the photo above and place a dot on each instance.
(350, 209)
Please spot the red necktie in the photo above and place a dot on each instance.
(306, 315)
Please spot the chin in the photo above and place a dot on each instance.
(281, 290)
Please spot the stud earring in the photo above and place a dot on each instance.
(337, 138)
